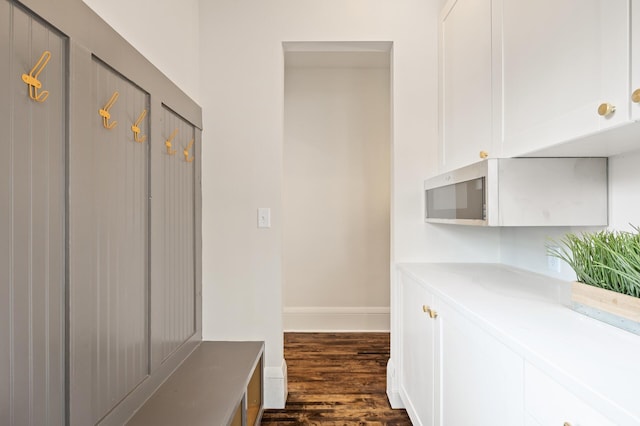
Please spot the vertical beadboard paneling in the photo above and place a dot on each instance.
(32, 234)
(178, 287)
(120, 243)
(6, 212)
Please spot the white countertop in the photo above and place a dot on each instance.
(597, 362)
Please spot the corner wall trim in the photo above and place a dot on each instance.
(275, 386)
(393, 392)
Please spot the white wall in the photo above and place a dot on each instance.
(336, 196)
(242, 96)
(164, 31)
(227, 55)
(624, 191)
(525, 247)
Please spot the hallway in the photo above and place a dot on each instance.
(336, 379)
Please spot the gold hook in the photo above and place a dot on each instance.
(167, 143)
(186, 152)
(136, 129)
(104, 112)
(32, 81)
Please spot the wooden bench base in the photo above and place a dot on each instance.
(220, 383)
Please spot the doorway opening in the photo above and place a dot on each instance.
(336, 186)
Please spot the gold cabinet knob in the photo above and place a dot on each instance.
(431, 312)
(635, 96)
(606, 109)
(484, 154)
(567, 424)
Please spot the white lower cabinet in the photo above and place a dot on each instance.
(549, 403)
(481, 379)
(455, 373)
(473, 347)
(452, 372)
(418, 337)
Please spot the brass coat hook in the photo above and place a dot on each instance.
(136, 129)
(168, 144)
(32, 81)
(186, 152)
(104, 112)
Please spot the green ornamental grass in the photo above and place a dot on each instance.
(605, 259)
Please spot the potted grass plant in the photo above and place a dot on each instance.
(607, 267)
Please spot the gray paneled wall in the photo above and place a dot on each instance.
(32, 221)
(177, 216)
(100, 252)
(119, 241)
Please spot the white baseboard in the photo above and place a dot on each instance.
(393, 391)
(275, 386)
(356, 318)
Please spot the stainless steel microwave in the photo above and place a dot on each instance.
(521, 192)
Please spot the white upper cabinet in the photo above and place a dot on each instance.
(565, 70)
(465, 83)
(538, 78)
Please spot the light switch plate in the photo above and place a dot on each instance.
(264, 217)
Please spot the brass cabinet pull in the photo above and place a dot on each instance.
(635, 96)
(432, 314)
(484, 154)
(567, 424)
(606, 109)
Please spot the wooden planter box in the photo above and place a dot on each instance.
(617, 309)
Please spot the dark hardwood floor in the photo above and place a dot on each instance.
(336, 379)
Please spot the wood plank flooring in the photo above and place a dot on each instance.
(336, 379)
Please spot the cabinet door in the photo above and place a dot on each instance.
(561, 60)
(635, 59)
(465, 103)
(418, 341)
(548, 403)
(482, 380)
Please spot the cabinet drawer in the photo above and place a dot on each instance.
(549, 403)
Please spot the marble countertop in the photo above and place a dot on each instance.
(526, 311)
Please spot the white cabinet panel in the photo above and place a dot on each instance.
(465, 84)
(548, 403)
(482, 380)
(487, 337)
(635, 59)
(560, 61)
(418, 350)
(530, 421)
(452, 371)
